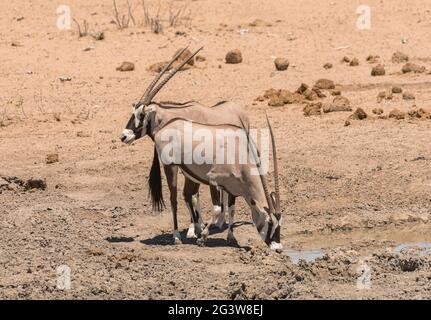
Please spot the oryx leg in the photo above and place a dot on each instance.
(218, 218)
(171, 173)
(191, 198)
(231, 213)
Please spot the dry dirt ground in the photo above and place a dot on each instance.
(352, 196)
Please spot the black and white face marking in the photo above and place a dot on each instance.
(136, 127)
(268, 226)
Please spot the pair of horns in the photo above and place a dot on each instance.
(273, 203)
(153, 89)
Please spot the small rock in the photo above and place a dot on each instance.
(234, 57)
(327, 66)
(157, 67)
(378, 111)
(359, 114)
(281, 64)
(399, 57)
(413, 67)
(35, 184)
(354, 62)
(378, 70)
(324, 84)
(126, 66)
(419, 113)
(335, 92)
(82, 134)
(200, 58)
(397, 114)
(380, 96)
(52, 158)
(373, 59)
(345, 59)
(408, 96)
(397, 90)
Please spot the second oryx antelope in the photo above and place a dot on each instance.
(177, 121)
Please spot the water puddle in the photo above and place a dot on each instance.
(312, 247)
(307, 255)
(425, 247)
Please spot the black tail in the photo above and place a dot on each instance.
(155, 184)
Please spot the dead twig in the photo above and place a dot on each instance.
(82, 32)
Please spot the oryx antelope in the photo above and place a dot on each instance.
(158, 120)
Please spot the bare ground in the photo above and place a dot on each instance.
(353, 193)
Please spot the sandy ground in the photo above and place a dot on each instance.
(351, 195)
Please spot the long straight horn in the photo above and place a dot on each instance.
(170, 75)
(253, 150)
(144, 97)
(276, 178)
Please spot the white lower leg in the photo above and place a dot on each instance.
(231, 213)
(177, 236)
(218, 217)
(191, 231)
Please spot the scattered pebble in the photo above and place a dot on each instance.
(399, 57)
(234, 57)
(52, 158)
(354, 62)
(397, 90)
(378, 111)
(413, 67)
(378, 70)
(126, 66)
(324, 84)
(281, 64)
(397, 114)
(408, 96)
(327, 66)
(35, 184)
(359, 114)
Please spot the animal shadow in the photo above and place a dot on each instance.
(166, 239)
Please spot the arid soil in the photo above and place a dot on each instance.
(353, 190)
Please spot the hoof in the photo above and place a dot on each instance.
(177, 237)
(231, 238)
(276, 246)
(201, 242)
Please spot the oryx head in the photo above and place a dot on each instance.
(269, 230)
(139, 123)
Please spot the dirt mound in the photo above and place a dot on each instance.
(324, 84)
(413, 67)
(339, 104)
(17, 184)
(312, 109)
